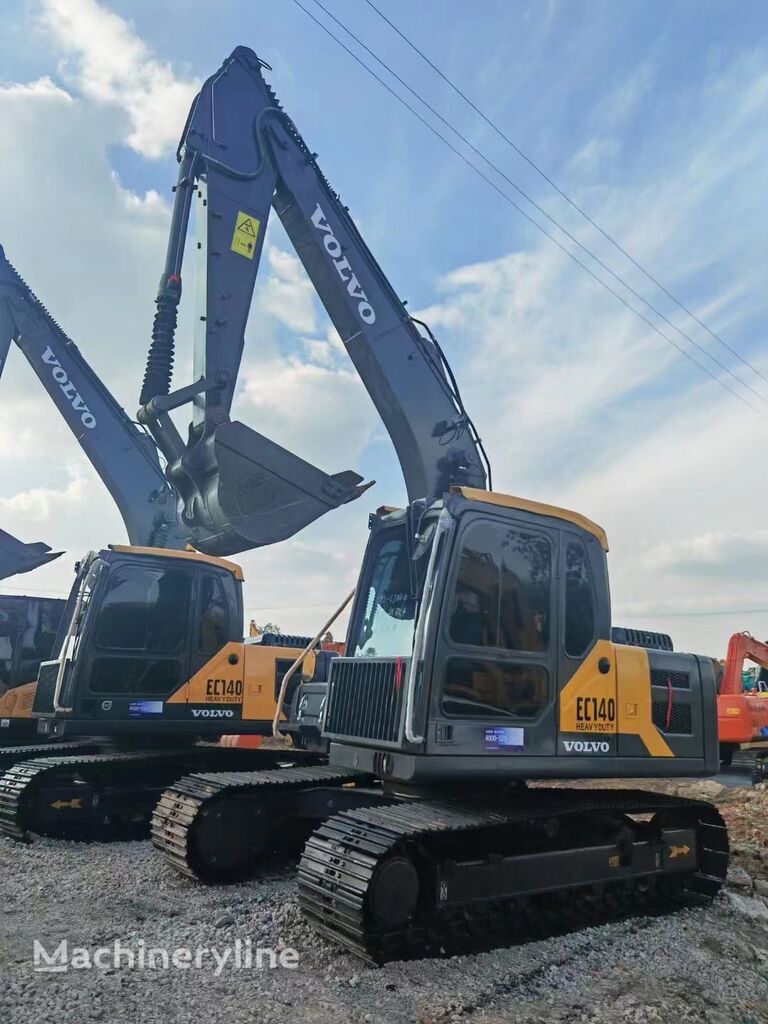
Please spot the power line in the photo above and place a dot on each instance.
(532, 220)
(692, 615)
(287, 607)
(617, 277)
(564, 195)
(31, 590)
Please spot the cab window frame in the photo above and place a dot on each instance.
(569, 539)
(134, 571)
(452, 649)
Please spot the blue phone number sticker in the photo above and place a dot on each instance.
(504, 738)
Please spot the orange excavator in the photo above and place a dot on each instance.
(743, 714)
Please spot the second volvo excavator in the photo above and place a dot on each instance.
(141, 584)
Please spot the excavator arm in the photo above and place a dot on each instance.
(123, 455)
(241, 156)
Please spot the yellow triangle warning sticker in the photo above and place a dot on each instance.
(245, 234)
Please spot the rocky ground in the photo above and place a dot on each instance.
(699, 965)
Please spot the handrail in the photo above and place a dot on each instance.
(63, 658)
(443, 525)
(300, 660)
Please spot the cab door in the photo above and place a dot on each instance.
(587, 713)
(136, 645)
(497, 656)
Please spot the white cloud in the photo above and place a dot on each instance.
(593, 156)
(319, 412)
(110, 65)
(728, 555)
(42, 88)
(581, 404)
(287, 293)
(619, 103)
(150, 205)
(40, 504)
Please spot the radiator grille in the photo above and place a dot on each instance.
(677, 680)
(366, 699)
(679, 717)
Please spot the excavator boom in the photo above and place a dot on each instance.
(123, 455)
(242, 156)
(16, 556)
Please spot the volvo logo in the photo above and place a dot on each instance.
(332, 246)
(586, 746)
(68, 389)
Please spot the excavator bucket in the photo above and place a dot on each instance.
(16, 557)
(260, 493)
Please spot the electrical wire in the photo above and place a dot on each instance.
(531, 219)
(604, 266)
(32, 590)
(692, 615)
(564, 195)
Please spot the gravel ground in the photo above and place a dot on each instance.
(698, 965)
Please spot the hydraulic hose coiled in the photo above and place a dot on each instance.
(159, 371)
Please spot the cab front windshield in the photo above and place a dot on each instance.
(392, 590)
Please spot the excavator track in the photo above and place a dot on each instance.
(426, 878)
(10, 756)
(215, 828)
(105, 796)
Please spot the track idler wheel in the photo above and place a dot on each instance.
(394, 893)
(229, 839)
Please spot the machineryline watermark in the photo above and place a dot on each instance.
(241, 955)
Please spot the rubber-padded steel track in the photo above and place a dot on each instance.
(105, 795)
(239, 797)
(338, 871)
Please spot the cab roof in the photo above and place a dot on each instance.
(189, 556)
(537, 507)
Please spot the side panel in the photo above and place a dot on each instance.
(588, 716)
(587, 667)
(638, 736)
(240, 682)
(660, 704)
(17, 702)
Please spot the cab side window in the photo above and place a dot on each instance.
(502, 592)
(213, 631)
(579, 601)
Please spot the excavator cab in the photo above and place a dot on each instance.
(151, 645)
(481, 637)
(139, 623)
(27, 633)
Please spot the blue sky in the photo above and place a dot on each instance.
(651, 116)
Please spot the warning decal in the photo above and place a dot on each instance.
(245, 234)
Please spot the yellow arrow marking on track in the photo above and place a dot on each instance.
(679, 851)
(76, 803)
